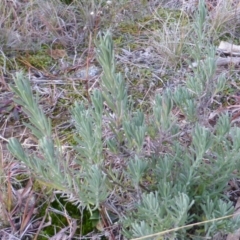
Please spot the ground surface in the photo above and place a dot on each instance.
(54, 44)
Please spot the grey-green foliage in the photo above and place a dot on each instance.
(137, 168)
(200, 172)
(186, 181)
(214, 209)
(114, 92)
(135, 130)
(48, 163)
(112, 84)
(200, 29)
(162, 215)
(162, 110)
(185, 100)
(203, 84)
(223, 125)
(88, 122)
(50, 167)
(40, 124)
(94, 187)
(203, 136)
(173, 184)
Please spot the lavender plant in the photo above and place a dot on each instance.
(169, 184)
(48, 164)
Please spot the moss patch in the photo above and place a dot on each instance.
(62, 212)
(39, 60)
